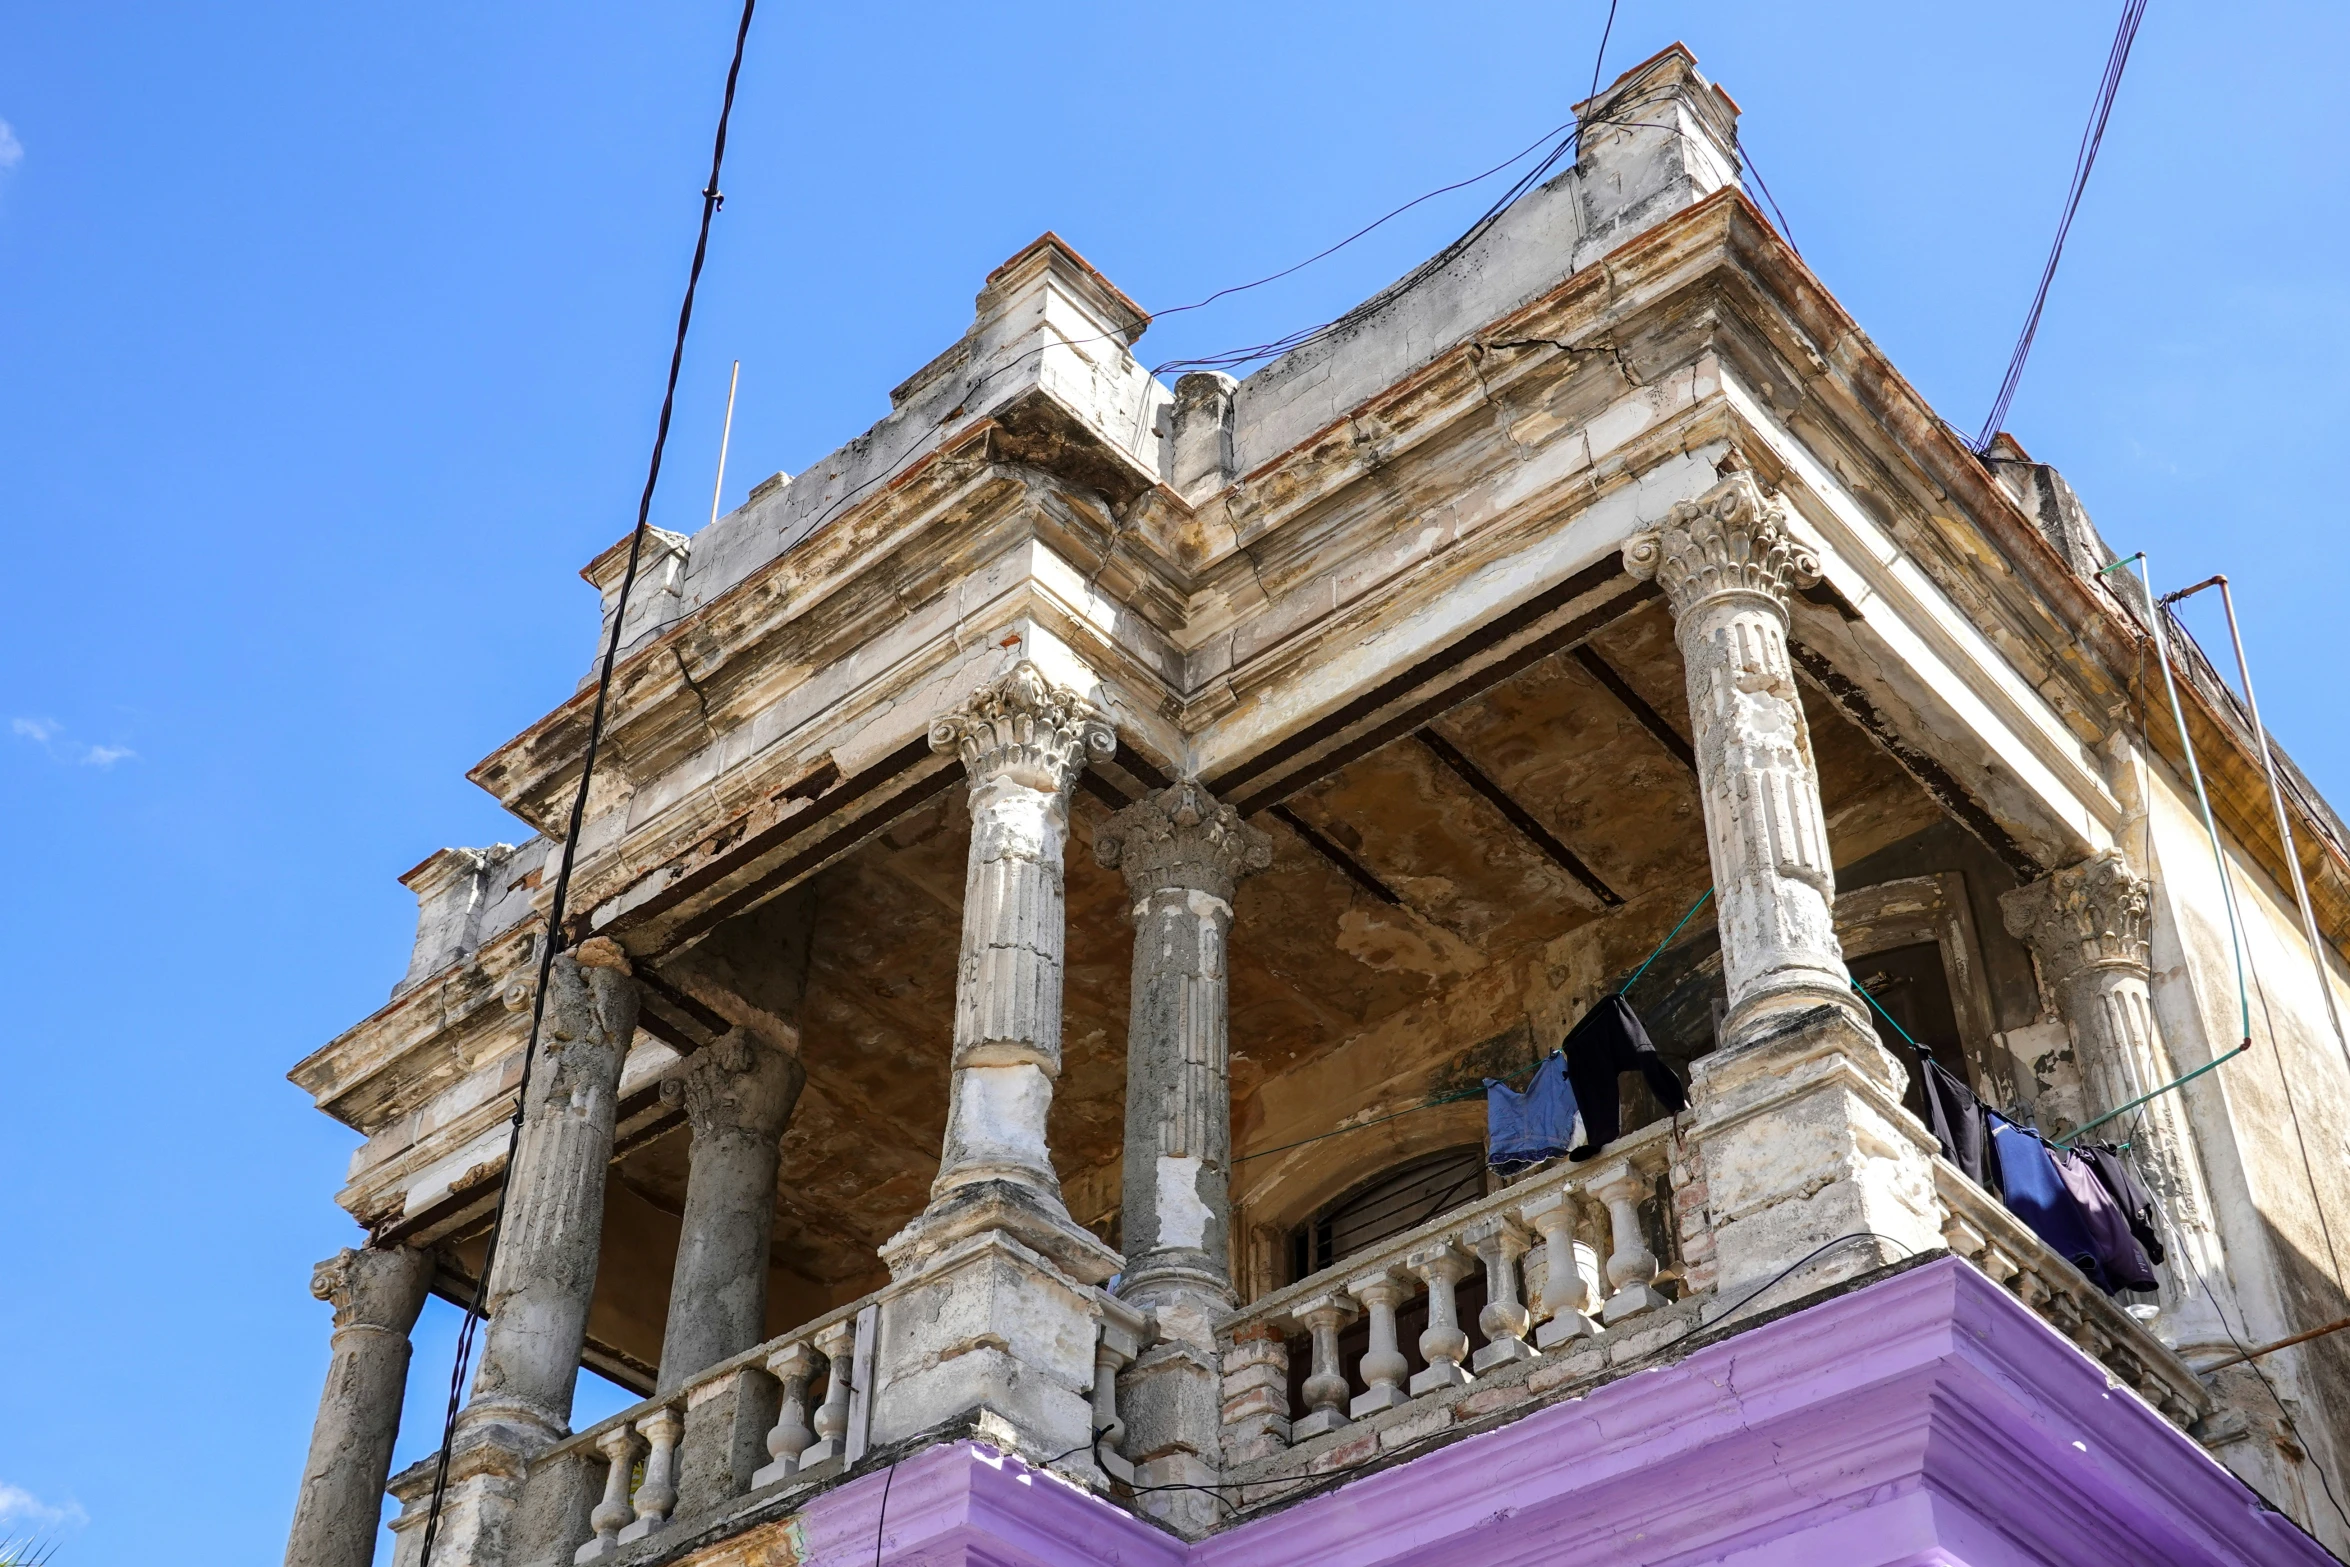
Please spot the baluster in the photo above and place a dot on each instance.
(1122, 1333)
(1566, 1294)
(613, 1513)
(1325, 1389)
(836, 1343)
(1444, 1346)
(658, 1493)
(1383, 1365)
(794, 1366)
(1631, 1267)
(1499, 1243)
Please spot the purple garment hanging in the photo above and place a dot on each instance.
(2118, 1251)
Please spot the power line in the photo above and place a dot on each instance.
(712, 200)
(2117, 59)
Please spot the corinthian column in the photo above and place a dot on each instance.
(376, 1296)
(1023, 742)
(738, 1095)
(1799, 1117)
(995, 1308)
(1182, 853)
(2089, 926)
(548, 1241)
(1727, 564)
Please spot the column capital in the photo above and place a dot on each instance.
(380, 1287)
(2094, 915)
(740, 1084)
(1022, 727)
(1182, 837)
(1732, 540)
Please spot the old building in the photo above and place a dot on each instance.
(1060, 870)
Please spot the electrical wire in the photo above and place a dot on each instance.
(712, 200)
(2117, 59)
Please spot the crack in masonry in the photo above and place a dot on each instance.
(701, 699)
(1501, 414)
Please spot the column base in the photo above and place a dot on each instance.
(1568, 1327)
(478, 1506)
(988, 1319)
(1805, 1144)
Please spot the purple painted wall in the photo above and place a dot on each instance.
(1929, 1418)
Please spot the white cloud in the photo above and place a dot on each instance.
(20, 1506)
(11, 150)
(47, 733)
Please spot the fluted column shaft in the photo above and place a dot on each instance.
(738, 1096)
(2090, 927)
(1182, 853)
(548, 1244)
(1727, 564)
(376, 1295)
(1023, 743)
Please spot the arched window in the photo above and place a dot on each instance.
(1389, 1203)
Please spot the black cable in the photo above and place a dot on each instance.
(712, 200)
(1780, 1276)
(2117, 59)
(1598, 59)
(881, 1517)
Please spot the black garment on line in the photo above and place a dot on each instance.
(1606, 1042)
(2130, 1195)
(1956, 1116)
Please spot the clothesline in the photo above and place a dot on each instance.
(1478, 1092)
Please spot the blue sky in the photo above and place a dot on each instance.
(330, 344)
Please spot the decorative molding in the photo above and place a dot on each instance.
(2098, 914)
(1733, 539)
(1182, 836)
(1022, 727)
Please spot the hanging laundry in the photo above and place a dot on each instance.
(1956, 1116)
(1541, 1123)
(1606, 1043)
(2130, 1194)
(2118, 1251)
(2035, 1193)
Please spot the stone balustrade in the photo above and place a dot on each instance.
(776, 1420)
(1978, 1227)
(1562, 1257)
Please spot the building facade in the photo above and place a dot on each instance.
(1059, 872)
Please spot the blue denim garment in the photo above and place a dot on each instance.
(2036, 1193)
(1541, 1123)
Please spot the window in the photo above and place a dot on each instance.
(1397, 1200)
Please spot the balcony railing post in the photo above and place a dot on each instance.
(657, 1493)
(1443, 1345)
(794, 1366)
(1325, 1390)
(1631, 1267)
(1499, 1242)
(619, 1447)
(1566, 1294)
(1123, 1335)
(1383, 1365)
(835, 1343)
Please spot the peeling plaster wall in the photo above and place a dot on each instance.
(2272, 1128)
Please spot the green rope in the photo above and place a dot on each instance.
(1889, 1017)
(1668, 941)
(2088, 1126)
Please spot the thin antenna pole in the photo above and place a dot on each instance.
(2227, 885)
(2276, 798)
(725, 436)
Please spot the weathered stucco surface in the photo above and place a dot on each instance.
(1418, 610)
